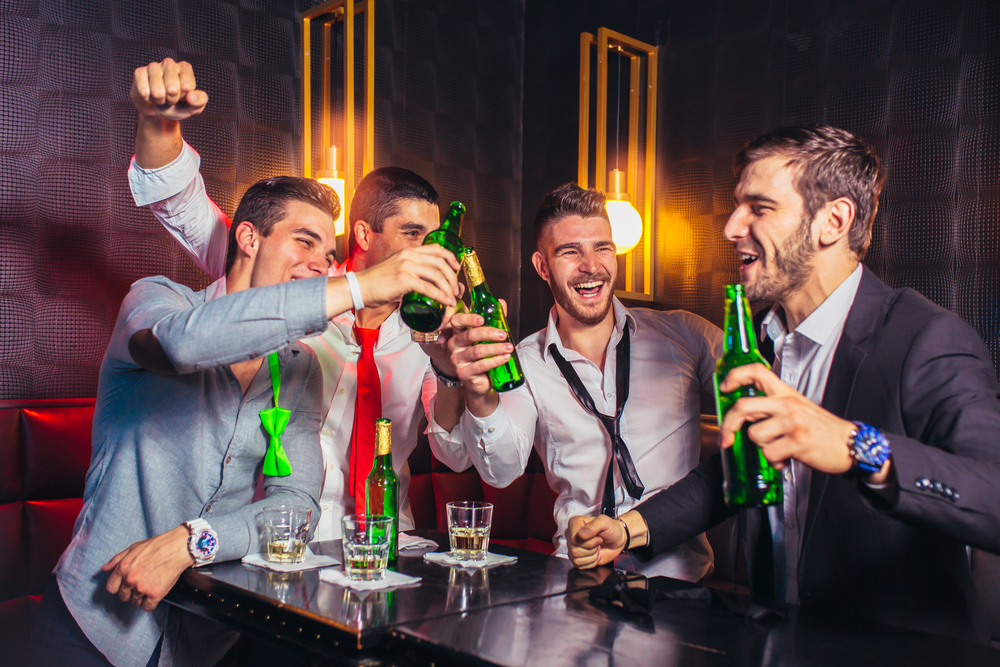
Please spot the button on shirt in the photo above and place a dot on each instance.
(802, 359)
(672, 358)
(176, 196)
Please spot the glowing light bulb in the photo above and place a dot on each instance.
(626, 224)
(338, 185)
(332, 176)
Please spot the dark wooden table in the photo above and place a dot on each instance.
(538, 611)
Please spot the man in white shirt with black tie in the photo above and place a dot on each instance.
(652, 365)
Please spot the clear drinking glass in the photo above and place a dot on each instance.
(286, 532)
(366, 546)
(469, 529)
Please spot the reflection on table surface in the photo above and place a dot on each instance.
(698, 627)
(443, 590)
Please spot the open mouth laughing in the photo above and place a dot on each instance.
(590, 289)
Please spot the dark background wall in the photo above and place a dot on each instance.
(920, 80)
(462, 87)
(448, 87)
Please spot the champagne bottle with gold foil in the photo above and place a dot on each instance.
(510, 375)
(749, 480)
(422, 313)
(382, 485)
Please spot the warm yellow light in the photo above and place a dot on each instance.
(338, 185)
(626, 225)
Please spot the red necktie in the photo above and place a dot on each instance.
(367, 408)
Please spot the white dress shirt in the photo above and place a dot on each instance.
(176, 196)
(672, 358)
(802, 359)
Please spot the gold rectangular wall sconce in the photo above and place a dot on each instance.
(638, 182)
(331, 13)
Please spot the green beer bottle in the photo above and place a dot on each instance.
(748, 479)
(382, 485)
(422, 313)
(508, 376)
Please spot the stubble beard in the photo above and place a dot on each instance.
(792, 264)
(564, 294)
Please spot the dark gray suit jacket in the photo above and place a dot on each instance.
(923, 376)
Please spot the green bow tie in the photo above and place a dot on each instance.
(274, 420)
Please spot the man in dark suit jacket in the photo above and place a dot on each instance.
(887, 428)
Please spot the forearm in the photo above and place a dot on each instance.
(244, 325)
(637, 529)
(964, 505)
(686, 509)
(500, 445)
(158, 141)
(449, 405)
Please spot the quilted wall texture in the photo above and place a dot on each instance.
(921, 80)
(448, 85)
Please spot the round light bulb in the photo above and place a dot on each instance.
(626, 225)
(338, 186)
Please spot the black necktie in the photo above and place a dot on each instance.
(611, 424)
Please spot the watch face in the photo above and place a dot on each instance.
(871, 448)
(206, 544)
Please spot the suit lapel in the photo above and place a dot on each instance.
(851, 352)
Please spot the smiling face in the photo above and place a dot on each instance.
(412, 221)
(770, 232)
(301, 245)
(576, 257)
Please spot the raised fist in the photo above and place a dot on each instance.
(167, 90)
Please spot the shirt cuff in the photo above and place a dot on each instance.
(882, 496)
(486, 430)
(152, 185)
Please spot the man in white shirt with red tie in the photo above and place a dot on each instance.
(611, 398)
(392, 209)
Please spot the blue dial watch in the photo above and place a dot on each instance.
(870, 448)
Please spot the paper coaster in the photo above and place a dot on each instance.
(491, 560)
(391, 579)
(414, 542)
(311, 561)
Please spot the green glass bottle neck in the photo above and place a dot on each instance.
(740, 337)
(453, 220)
(383, 462)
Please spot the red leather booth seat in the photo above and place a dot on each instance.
(45, 452)
(522, 512)
(44, 456)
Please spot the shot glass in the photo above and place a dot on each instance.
(469, 529)
(286, 532)
(366, 546)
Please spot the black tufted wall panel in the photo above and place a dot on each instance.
(71, 240)
(448, 86)
(921, 80)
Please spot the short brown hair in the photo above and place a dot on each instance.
(380, 192)
(831, 163)
(567, 200)
(264, 205)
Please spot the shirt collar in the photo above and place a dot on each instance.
(216, 289)
(822, 322)
(622, 315)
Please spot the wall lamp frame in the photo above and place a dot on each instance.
(333, 12)
(606, 41)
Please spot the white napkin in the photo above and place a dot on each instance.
(414, 542)
(492, 559)
(391, 579)
(310, 562)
